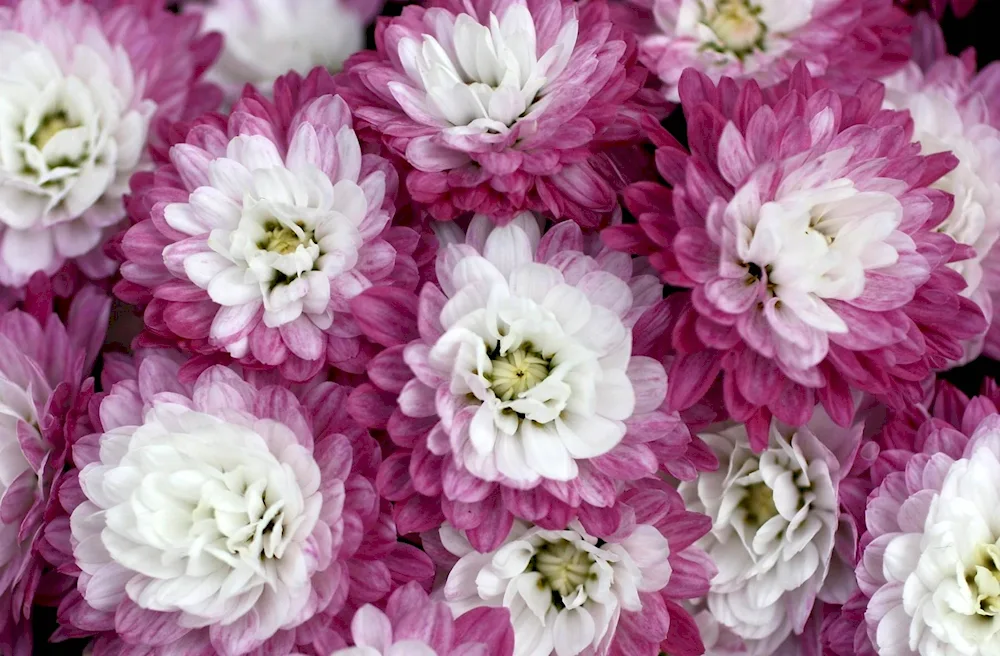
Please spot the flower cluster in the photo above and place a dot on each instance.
(498, 328)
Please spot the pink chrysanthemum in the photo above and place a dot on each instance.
(83, 87)
(803, 224)
(524, 388)
(505, 105)
(929, 555)
(223, 517)
(615, 592)
(951, 109)
(253, 239)
(43, 397)
(414, 625)
(763, 40)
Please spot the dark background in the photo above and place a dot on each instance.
(978, 30)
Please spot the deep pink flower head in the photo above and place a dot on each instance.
(414, 625)
(85, 87)
(225, 517)
(570, 590)
(44, 396)
(504, 105)
(763, 40)
(518, 385)
(803, 223)
(931, 533)
(252, 240)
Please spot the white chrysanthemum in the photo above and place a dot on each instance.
(279, 230)
(738, 28)
(565, 589)
(815, 243)
(70, 137)
(545, 360)
(265, 39)
(942, 589)
(483, 77)
(774, 516)
(194, 515)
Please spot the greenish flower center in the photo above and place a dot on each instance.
(51, 125)
(517, 372)
(283, 239)
(984, 580)
(564, 568)
(737, 25)
(759, 504)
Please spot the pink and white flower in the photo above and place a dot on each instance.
(225, 517)
(928, 573)
(81, 89)
(251, 242)
(950, 113)
(764, 40)
(414, 625)
(501, 106)
(570, 592)
(521, 388)
(44, 392)
(809, 247)
(781, 543)
(296, 35)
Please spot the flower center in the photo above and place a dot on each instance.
(983, 581)
(759, 504)
(737, 26)
(51, 125)
(564, 569)
(517, 372)
(284, 239)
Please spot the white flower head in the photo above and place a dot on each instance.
(749, 34)
(279, 230)
(265, 39)
(775, 519)
(202, 517)
(482, 77)
(72, 131)
(941, 570)
(565, 589)
(541, 357)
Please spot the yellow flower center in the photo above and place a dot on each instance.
(283, 239)
(759, 504)
(984, 581)
(517, 372)
(736, 24)
(50, 127)
(563, 566)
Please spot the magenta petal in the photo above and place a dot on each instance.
(387, 316)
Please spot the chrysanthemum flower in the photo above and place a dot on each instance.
(413, 625)
(522, 385)
(501, 106)
(223, 517)
(763, 40)
(572, 592)
(951, 113)
(43, 408)
(779, 538)
(296, 35)
(81, 89)
(253, 239)
(928, 574)
(803, 222)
